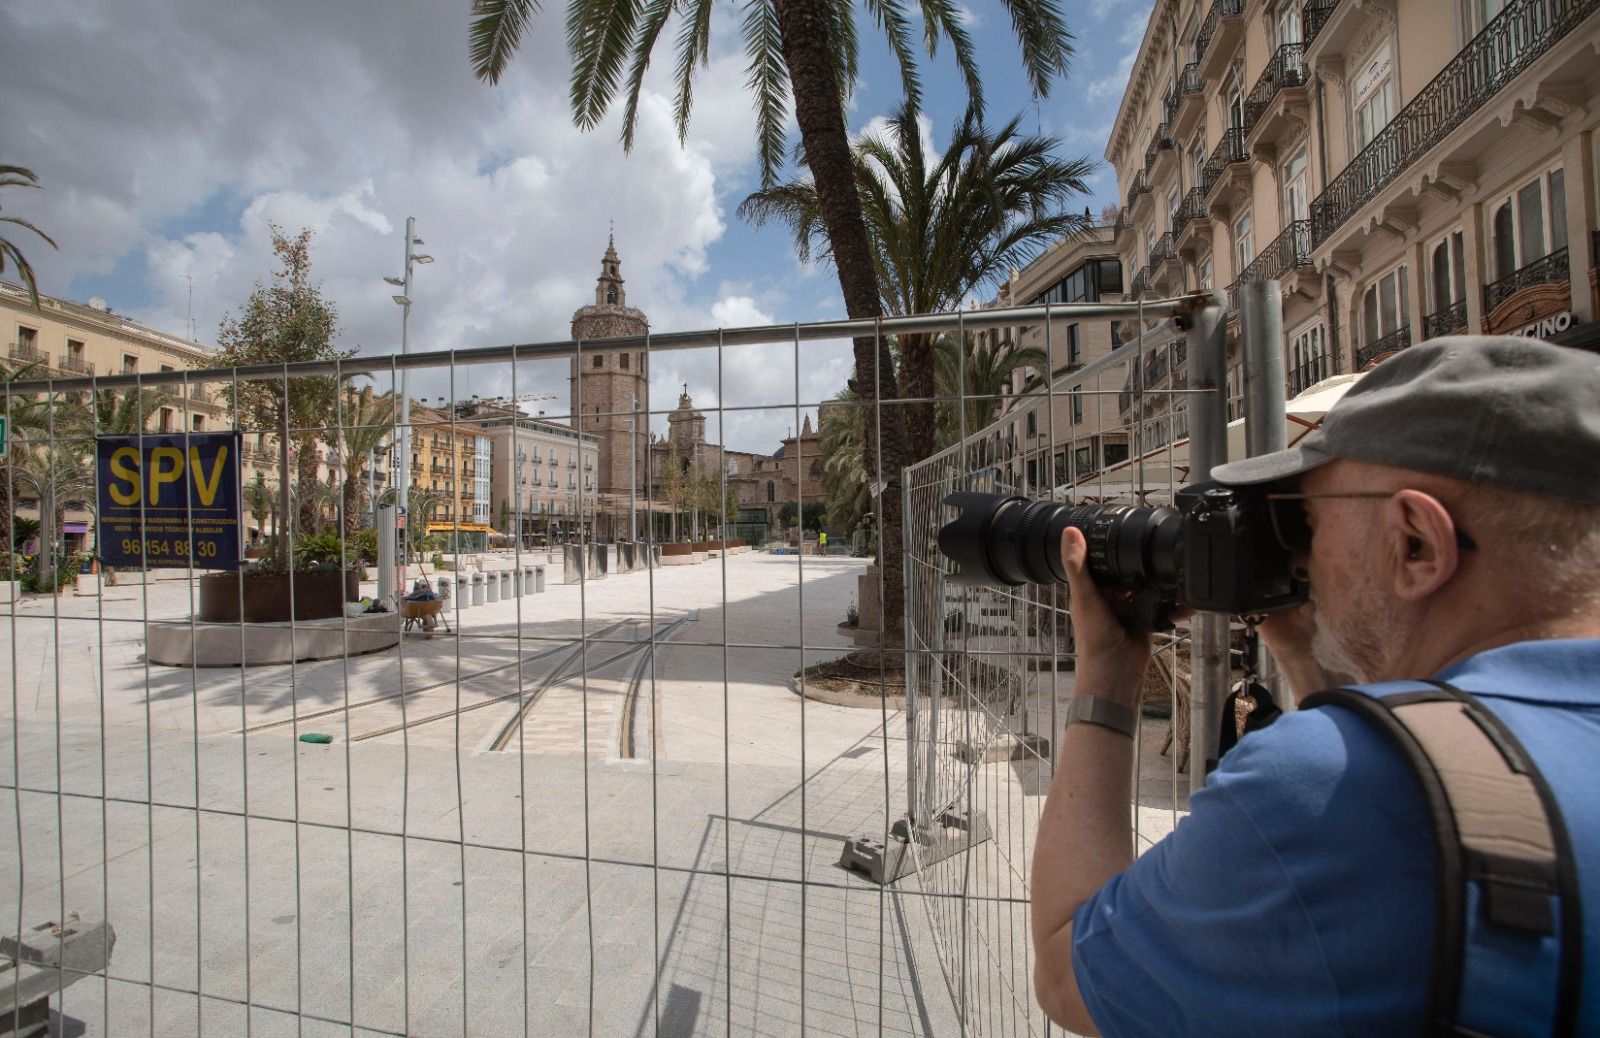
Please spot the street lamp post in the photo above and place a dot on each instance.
(403, 469)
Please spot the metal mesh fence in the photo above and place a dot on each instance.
(591, 785)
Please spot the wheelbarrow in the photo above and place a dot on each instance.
(426, 614)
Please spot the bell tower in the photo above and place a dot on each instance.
(605, 386)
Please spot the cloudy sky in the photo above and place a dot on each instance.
(168, 135)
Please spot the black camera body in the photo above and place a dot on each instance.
(1215, 551)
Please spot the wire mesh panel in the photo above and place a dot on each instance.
(590, 767)
(989, 665)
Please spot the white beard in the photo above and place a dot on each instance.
(1354, 646)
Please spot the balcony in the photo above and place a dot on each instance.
(1160, 141)
(1219, 35)
(1314, 16)
(1373, 352)
(1309, 374)
(1508, 45)
(76, 365)
(1123, 225)
(28, 354)
(1189, 106)
(1451, 320)
(1550, 270)
(1229, 162)
(1191, 224)
(1139, 188)
(1278, 100)
(1166, 270)
(1141, 284)
(1289, 252)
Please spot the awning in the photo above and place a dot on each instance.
(72, 527)
(463, 527)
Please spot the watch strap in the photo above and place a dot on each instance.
(1106, 713)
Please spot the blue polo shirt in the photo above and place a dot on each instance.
(1297, 897)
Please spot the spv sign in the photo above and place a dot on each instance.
(169, 500)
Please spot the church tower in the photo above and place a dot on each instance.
(605, 386)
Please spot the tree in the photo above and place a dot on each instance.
(799, 50)
(17, 176)
(988, 371)
(939, 232)
(286, 321)
(674, 486)
(28, 419)
(367, 421)
(844, 470)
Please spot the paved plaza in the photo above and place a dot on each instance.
(654, 850)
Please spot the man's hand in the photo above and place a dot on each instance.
(1112, 660)
(1288, 635)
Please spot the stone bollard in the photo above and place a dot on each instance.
(504, 579)
(538, 580)
(491, 587)
(477, 589)
(463, 590)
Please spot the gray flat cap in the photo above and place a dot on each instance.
(1498, 409)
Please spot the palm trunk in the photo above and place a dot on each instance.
(916, 358)
(305, 464)
(819, 109)
(352, 503)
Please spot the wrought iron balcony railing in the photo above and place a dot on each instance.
(76, 364)
(1229, 149)
(1547, 270)
(1286, 69)
(1508, 45)
(1140, 186)
(1162, 139)
(1162, 251)
(1288, 250)
(1445, 321)
(1392, 343)
(1309, 374)
(1193, 207)
(1141, 283)
(1123, 224)
(1314, 16)
(1190, 82)
(1220, 9)
(28, 354)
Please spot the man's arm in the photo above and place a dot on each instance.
(1085, 834)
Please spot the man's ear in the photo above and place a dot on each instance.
(1423, 536)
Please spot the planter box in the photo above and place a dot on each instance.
(266, 596)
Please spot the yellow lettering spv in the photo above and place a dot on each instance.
(206, 486)
(124, 494)
(160, 475)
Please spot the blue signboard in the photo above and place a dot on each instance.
(169, 500)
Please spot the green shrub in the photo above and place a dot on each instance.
(315, 552)
(364, 547)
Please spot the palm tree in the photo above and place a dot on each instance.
(939, 232)
(111, 413)
(367, 422)
(989, 368)
(28, 421)
(844, 469)
(17, 176)
(804, 50)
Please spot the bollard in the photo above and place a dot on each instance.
(491, 587)
(463, 591)
(477, 589)
(538, 580)
(504, 580)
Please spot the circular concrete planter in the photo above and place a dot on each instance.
(266, 596)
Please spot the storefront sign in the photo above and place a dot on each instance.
(1546, 327)
(167, 501)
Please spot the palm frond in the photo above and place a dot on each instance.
(945, 16)
(694, 48)
(495, 33)
(599, 37)
(768, 78)
(896, 28)
(1046, 43)
(644, 44)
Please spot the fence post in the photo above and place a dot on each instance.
(1208, 447)
(908, 662)
(1261, 327)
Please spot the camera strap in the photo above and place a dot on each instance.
(1507, 902)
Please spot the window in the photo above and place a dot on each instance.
(1288, 22)
(1082, 461)
(1033, 424)
(166, 420)
(1372, 97)
(1149, 245)
(1172, 207)
(1116, 334)
(199, 424)
(28, 339)
(1115, 452)
(75, 350)
(1244, 246)
(771, 492)
(598, 360)
(1235, 104)
(1197, 159)
(1077, 405)
(1205, 272)
(130, 364)
(622, 361)
(611, 297)
(1296, 198)
(168, 367)
(1074, 345)
(1308, 357)
(1383, 305)
(1447, 274)
(1529, 224)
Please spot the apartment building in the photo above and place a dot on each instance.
(447, 453)
(541, 475)
(1405, 170)
(1083, 432)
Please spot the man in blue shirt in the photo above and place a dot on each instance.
(1452, 511)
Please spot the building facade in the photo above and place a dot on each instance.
(1083, 433)
(542, 475)
(1405, 170)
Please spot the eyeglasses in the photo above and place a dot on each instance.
(1293, 532)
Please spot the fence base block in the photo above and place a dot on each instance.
(914, 847)
(1009, 747)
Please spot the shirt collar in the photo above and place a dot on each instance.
(1564, 670)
